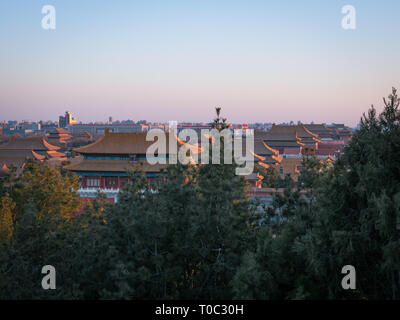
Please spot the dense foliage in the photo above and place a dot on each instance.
(196, 235)
(352, 218)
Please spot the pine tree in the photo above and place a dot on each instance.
(356, 212)
(352, 218)
(182, 237)
(7, 217)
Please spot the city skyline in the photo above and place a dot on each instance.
(261, 61)
(111, 120)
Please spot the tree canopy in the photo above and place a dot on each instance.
(196, 234)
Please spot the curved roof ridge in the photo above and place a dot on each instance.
(49, 146)
(287, 129)
(83, 148)
(308, 131)
(28, 144)
(121, 143)
(37, 155)
(269, 148)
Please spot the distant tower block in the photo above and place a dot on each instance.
(110, 120)
(66, 120)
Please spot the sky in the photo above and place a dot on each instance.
(260, 60)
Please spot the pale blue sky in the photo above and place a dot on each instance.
(261, 61)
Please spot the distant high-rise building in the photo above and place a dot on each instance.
(66, 120)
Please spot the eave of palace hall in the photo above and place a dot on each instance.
(106, 161)
(18, 150)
